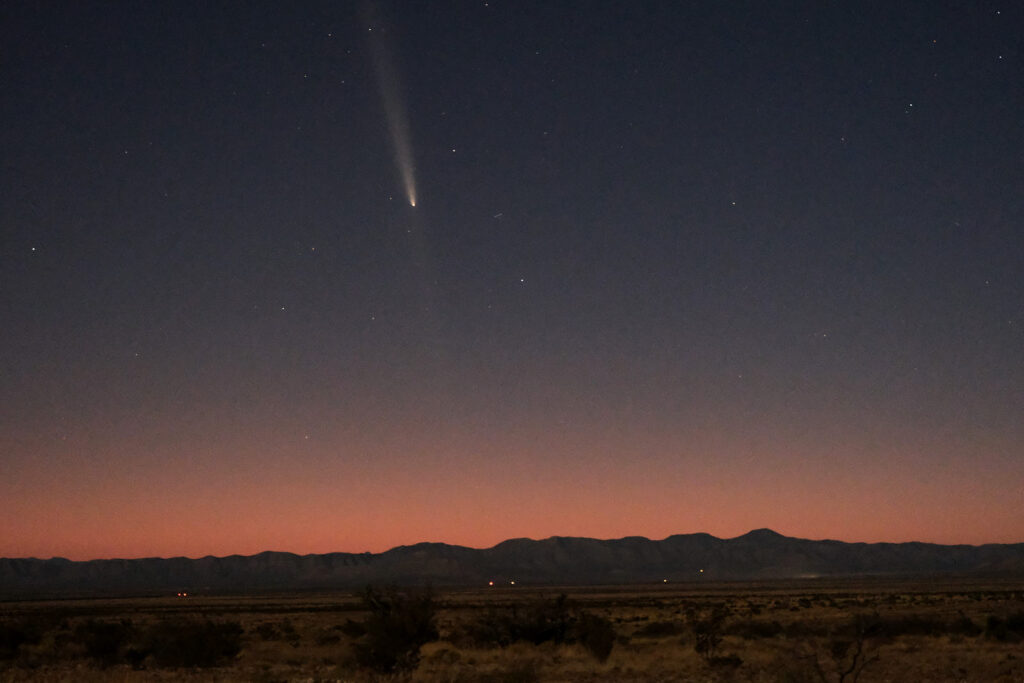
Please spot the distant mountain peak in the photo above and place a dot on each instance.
(762, 534)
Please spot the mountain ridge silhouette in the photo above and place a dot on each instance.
(761, 554)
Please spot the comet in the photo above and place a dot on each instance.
(389, 85)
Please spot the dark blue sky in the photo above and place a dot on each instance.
(685, 253)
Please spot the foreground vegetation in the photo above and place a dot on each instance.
(794, 632)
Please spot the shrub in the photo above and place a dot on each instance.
(659, 629)
(963, 625)
(105, 641)
(707, 631)
(389, 639)
(755, 628)
(1015, 622)
(1006, 629)
(268, 631)
(804, 628)
(852, 647)
(521, 671)
(995, 628)
(14, 634)
(328, 637)
(193, 643)
(596, 634)
(541, 621)
(536, 622)
(544, 621)
(841, 658)
(726, 662)
(907, 625)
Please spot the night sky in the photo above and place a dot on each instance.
(672, 267)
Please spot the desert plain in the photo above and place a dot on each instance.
(842, 630)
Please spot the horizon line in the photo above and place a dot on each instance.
(507, 540)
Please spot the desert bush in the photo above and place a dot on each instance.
(754, 628)
(995, 628)
(842, 658)
(184, 643)
(1015, 622)
(14, 634)
(328, 637)
(445, 656)
(543, 621)
(964, 626)
(908, 625)
(107, 642)
(519, 671)
(726, 661)
(538, 621)
(282, 630)
(596, 634)
(659, 629)
(852, 652)
(707, 630)
(1009, 629)
(489, 628)
(805, 628)
(289, 633)
(399, 623)
(268, 631)
(893, 626)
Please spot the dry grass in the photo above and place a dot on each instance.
(922, 631)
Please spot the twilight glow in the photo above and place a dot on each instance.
(684, 267)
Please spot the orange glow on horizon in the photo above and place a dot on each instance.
(347, 493)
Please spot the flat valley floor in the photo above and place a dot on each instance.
(810, 630)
